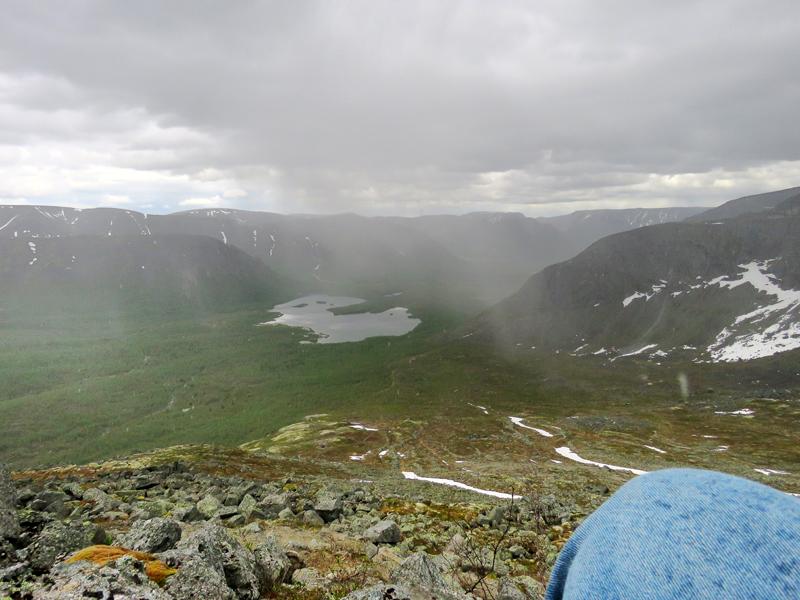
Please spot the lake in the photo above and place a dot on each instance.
(313, 313)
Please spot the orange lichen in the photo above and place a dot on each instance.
(100, 555)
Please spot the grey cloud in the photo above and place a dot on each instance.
(415, 100)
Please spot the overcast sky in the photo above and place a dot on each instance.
(397, 107)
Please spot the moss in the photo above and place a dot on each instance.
(100, 555)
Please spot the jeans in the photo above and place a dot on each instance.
(683, 533)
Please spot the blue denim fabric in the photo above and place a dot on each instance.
(686, 534)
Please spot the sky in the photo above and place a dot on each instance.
(397, 108)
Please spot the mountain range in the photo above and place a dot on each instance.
(711, 290)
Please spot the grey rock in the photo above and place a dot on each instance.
(247, 505)
(216, 547)
(309, 578)
(226, 512)
(272, 504)
(385, 532)
(328, 505)
(519, 588)
(8, 556)
(196, 579)
(312, 518)
(237, 520)
(60, 539)
(47, 497)
(209, 506)
(286, 514)
(497, 515)
(420, 570)
(152, 536)
(232, 499)
(272, 563)
(15, 571)
(101, 499)
(187, 514)
(370, 550)
(150, 509)
(122, 579)
(252, 528)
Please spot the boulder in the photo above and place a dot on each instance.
(328, 505)
(312, 518)
(222, 554)
(384, 532)
(272, 564)
(152, 536)
(519, 588)
(309, 578)
(419, 570)
(209, 506)
(102, 500)
(196, 579)
(187, 514)
(61, 538)
(272, 504)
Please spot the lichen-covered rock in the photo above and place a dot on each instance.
(187, 514)
(196, 579)
(209, 506)
(102, 501)
(272, 564)
(419, 570)
(150, 509)
(519, 588)
(60, 538)
(247, 505)
(384, 532)
(73, 489)
(124, 578)
(309, 578)
(152, 536)
(311, 517)
(328, 505)
(221, 553)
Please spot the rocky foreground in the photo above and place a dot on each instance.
(171, 532)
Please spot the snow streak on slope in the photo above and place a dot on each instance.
(744, 339)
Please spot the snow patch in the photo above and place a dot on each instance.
(567, 453)
(774, 472)
(457, 484)
(738, 341)
(518, 421)
(359, 426)
(655, 449)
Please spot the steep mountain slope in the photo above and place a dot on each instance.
(135, 274)
(584, 227)
(720, 291)
(746, 204)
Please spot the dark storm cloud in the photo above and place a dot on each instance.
(404, 107)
